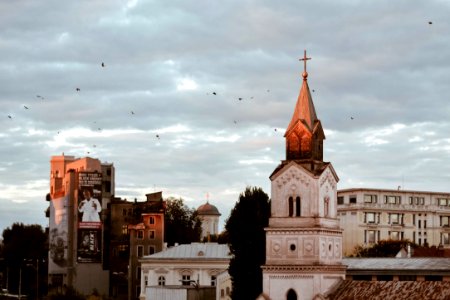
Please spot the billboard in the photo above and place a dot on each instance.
(89, 217)
(58, 235)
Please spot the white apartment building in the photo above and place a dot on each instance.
(369, 215)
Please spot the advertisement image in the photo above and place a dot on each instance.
(89, 217)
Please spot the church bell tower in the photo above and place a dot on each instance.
(303, 239)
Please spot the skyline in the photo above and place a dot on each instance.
(190, 98)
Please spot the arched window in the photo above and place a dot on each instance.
(291, 295)
(326, 206)
(161, 280)
(298, 208)
(291, 207)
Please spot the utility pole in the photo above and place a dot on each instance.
(37, 278)
(20, 282)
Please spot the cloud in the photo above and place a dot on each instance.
(379, 73)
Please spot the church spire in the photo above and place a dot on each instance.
(304, 134)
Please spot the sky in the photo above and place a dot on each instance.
(165, 108)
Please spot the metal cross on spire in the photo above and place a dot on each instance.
(304, 59)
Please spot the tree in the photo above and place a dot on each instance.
(383, 248)
(182, 224)
(247, 241)
(25, 250)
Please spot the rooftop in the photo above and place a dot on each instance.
(193, 251)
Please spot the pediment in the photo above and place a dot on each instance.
(292, 171)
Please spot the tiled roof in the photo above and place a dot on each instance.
(415, 263)
(391, 290)
(194, 251)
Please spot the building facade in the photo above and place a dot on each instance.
(136, 228)
(196, 264)
(303, 239)
(370, 215)
(80, 190)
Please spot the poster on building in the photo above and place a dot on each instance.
(89, 245)
(58, 230)
(89, 217)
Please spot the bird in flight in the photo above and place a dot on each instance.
(240, 99)
(103, 64)
(77, 89)
(351, 118)
(275, 129)
(313, 90)
(132, 112)
(26, 107)
(39, 96)
(429, 22)
(157, 136)
(214, 93)
(9, 116)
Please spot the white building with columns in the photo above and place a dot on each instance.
(198, 264)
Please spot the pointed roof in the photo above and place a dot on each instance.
(304, 109)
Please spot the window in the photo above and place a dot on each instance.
(340, 200)
(370, 217)
(140, 251)
(140, 234)
(151, 234)
(146, 280)
(151, 220)
(395, 235)
(442, 201)
(138, 273)
(396, 219)
(370, 198)
(417, 200)
(353, 199)
(297, 207)
(213, 280)
(371, 236)
(124, 212)
(186, 280)
(124, 229)
(291, 206)
(161, 280)
(445, 238)
(151, 250)
(392, 199)
(228, 290)
(326, 206)
(444, 221)
(222, 293)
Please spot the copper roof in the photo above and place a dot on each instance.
(304, 109)
(208, 210)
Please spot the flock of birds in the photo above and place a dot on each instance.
(157, 136)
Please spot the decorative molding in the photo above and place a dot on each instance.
(161, 271)
(318, 231)
(304, 268)
(292, 174)
(328, 177)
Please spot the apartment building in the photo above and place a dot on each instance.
(369, 215)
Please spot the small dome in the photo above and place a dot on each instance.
(208, 210)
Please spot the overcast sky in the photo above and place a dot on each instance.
(379, 70)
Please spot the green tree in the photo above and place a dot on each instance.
(182, 224)
(383, 248)
(25, 250)
(247, 241)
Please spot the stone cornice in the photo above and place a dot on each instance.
(303, 231)
(304, 269)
